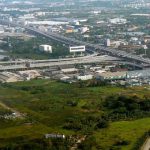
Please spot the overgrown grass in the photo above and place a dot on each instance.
(45, 104)
(129, 131)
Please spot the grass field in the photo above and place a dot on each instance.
(129, 131)
(44, 104)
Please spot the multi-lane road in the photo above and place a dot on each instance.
(30, 64)
(93, 47)
(114, 54)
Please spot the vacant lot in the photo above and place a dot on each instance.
(48, 104)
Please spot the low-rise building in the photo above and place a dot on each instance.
(95, 68)
(69, 70)
(30, 74)
(107, 68)
(69, 30)
(138, 74)
(45, 48)
(58, 136)
(9, 77)
(100, 71)
(85, 77)
(147, 39)
(84, 29)
(118, 21)
(112, 75)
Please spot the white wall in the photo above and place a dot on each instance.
(85, 77)
(45, 48)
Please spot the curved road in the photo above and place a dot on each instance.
(71, 41)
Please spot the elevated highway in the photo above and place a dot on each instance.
(134, 59)
(93, 47)
(55, 62)
(47, 60)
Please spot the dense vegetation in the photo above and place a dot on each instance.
(122, 107)
(30, 48)
(104, 114)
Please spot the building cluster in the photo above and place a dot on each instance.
(98, 25)
(138, 4)
(135, 44)
(9, 77)
(109, 73)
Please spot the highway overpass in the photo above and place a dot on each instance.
(70, 41)
(93, 47)
(19, 65)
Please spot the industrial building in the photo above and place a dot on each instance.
(45, 48)
(10, 77)
(112, 75)
(133, 78)
(85, 77)
(69, 70)
(118, 21)
(138, 74)
(29, 74)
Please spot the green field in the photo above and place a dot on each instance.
(129, 131)
(47, 105)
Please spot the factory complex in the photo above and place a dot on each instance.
(72, 74)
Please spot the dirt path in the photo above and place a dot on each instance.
(146, 145)
(16, 113)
